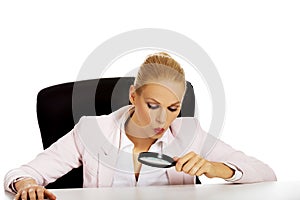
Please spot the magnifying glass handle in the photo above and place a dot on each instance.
(174, 163)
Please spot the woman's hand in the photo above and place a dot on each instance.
(29, 189)
(193, 164)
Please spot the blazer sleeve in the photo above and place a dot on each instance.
(57, 160)
(253, 170)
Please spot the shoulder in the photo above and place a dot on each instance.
(188, 129)
(187, 123)
(96, 132)
(186, 126)
(105, 123)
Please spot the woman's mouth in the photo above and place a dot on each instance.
(159, 130)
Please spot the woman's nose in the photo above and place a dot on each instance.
(161, 116)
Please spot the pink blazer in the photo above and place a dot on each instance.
(94, 141)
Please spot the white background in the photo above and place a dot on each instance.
(255, 46)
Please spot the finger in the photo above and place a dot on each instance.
(17, 196)
(196, 167)
(190, 164)
(49, 194)
(203, 169)
(181, 161)
(175, 158)
(31, 194)
(40, 193)
(24, 195)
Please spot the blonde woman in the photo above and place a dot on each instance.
(149, 124)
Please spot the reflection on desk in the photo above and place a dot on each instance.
(268, 190)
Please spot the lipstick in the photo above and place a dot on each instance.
(159, 130)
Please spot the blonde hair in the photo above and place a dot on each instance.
(158, 68)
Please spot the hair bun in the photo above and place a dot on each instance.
(157, 67)
(158, 58)
(160, 54)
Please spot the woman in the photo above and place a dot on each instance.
(108, 146)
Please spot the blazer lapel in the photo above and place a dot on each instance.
(107, 155)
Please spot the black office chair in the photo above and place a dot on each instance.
(55, 112)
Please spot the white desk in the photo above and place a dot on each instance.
(270, 190)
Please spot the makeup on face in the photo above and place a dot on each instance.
(155, 109)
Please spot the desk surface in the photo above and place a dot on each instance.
(270, 190)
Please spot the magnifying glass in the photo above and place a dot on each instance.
(154, 159)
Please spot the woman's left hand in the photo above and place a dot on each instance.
(193, 164)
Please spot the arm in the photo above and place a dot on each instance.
(52, 163)
(215, 160)
(194, 165)
(253, 170)
(29, 187)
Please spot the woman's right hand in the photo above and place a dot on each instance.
(28, 189)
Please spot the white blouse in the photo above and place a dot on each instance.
(148, 175)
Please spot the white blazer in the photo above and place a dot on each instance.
(94, 142)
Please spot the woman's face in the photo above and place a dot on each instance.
(156, 106)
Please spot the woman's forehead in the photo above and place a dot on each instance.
(171, 92)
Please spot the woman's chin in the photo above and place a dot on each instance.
(157, 135)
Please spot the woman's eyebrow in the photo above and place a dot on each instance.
(173, 104)
(178, 102)
(153, 100)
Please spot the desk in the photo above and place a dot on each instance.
(269, 190)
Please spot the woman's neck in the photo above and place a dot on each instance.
(143, 144)
(139, 141)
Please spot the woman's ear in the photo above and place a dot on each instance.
(132, 94)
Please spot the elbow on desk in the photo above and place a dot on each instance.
(257, 174)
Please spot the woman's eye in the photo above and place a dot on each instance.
(152, 106)
(172, 109)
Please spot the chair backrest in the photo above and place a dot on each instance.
(55, 106)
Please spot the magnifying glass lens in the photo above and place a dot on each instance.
(156, 160)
